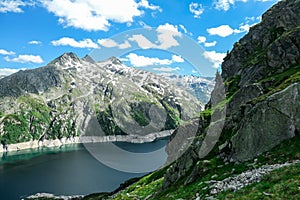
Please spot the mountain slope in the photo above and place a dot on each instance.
(200, 87)
(261, 76)
(62, 99)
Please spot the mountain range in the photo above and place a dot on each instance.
(63, 98)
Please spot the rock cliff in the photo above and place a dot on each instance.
(261, 76)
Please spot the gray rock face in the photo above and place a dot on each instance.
(281, 18)
(261, 76)
(30, 81)
(268, 123)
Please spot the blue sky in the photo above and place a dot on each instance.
(164, 36)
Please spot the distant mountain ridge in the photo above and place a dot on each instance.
(200, 87)
(63, 98)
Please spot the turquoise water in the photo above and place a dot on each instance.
(71, 170)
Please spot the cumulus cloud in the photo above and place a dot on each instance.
(196, 9)
(12, 6)
(222, 31)
(96, 15)
(34, 42)
(166, 34)
(66, 41)
(109, 43)
(9, 71)
(177, 58)
(5, 52)
(145, 4)
(25, 59)
(202, 40)
(225, 4)
(210, 44)
(226, 30)
(143, 61)
(142, 41)
(214, 57)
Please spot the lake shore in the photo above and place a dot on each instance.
(86, 139)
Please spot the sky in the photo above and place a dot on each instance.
(162, 36)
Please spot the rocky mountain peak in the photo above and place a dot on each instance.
(89, 59)
(69, 59)
(115, 60)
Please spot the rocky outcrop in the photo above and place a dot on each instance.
(244, 179)
(29, 81)
(268, 123)
(261, 76)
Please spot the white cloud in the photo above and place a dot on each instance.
(225, 4)
(66, 41)
(11, 6)
(95, 15)
(145, 4)
(143, 61)
(202, 40)
(197, 9)
(214, 57)
(25, 59)
(9, 71)
(166, 35)
(166, 69)
(142, 41)
(177, 59)
(109, 43)
(34, 42)
(226, 30)
(168, 27)
(210, 44)
(244, 28)
(222, 31)
(5, 52)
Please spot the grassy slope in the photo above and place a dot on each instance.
(282, 183)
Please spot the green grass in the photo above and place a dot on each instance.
(232, 85)
(280, 82)
(146, 186)
(173, 117)
(282, 184)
